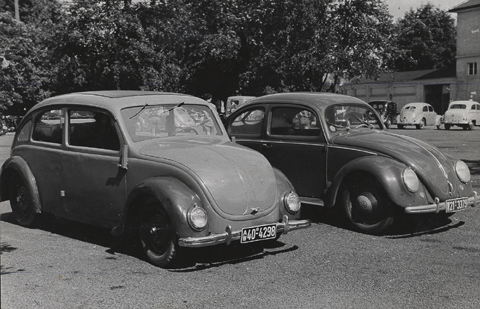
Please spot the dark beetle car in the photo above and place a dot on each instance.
(336, 151)
(158, 163)
(387, 110)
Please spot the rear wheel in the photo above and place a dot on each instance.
(447, 127)
(21, 202)
(366, 205)
(157, 235)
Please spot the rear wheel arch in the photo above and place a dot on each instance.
(16, 166)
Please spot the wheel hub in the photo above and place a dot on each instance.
(366, 203)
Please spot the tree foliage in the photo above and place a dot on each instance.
(223, 47)
(426, 40)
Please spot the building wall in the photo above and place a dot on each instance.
(468, 51)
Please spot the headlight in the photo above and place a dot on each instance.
(292, 202)
(410, 180)
(197, 218)
(463, 172)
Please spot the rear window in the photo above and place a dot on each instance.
(458, 106)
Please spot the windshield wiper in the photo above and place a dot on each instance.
(141, 109)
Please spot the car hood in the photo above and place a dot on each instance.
(434, 168)
(237, 178)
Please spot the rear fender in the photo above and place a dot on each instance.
(175, 197)
(387, 171)
(18, 165)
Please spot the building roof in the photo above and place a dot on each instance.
(413, 75)
(466, 5)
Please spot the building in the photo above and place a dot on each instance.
(437, 87)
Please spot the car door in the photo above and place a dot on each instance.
(94, 183)
(247, 126)
(295, 144)
(44, 155)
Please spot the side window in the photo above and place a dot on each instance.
(48, 127)
(92, 129)
(430, 109)
(294, 121)
(249, 122)
(425, 108)
(24, 134)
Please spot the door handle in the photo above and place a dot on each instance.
(266, 146)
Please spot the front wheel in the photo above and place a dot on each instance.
(22, 203)
(157, 235)
(366, 206)
(400, 126)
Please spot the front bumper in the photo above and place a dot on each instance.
(438, 206)
(228, 236)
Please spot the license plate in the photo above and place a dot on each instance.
(258, 233)
(456, 204)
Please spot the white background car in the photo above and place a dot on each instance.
(417, 114)
(465, 114)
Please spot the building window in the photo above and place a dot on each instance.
(472, 68)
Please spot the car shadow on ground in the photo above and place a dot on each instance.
(405, 226)
(197, 259)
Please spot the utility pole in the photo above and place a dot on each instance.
(17, 12)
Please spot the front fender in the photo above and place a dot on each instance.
(176, 198)
(18, 165)
(284, 186)
(388, 172)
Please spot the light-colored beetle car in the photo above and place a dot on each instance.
(464, 114)
(177, 180)
(417, 114)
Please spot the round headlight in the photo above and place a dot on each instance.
(463, 172)
(197, 217)
(292, 202)
(410, 180)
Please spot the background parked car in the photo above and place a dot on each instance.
(336, 152)
(179, 183)
(235, 102)
(417, 114)
(465, 114)
(387, 111)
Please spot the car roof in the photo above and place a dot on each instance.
(416, 103)
(317, 100)
(117, 99)
(464, 102)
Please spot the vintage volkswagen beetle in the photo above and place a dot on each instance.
(417, 114)
(180, 182)
(465, 114)
(336, 152)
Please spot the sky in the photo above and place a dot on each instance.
(397, 8)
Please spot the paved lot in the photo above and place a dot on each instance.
(429, 264)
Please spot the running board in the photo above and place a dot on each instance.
(312, 201)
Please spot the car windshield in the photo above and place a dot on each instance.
(341, 117)
(458, 106)
(165, 120)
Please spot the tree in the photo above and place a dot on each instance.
(426, 40)
(27, 70)
(299, 45)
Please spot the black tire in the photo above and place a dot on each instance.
(388, 123)
(366, 206)
(21, 202)
(447, 127)
(157, 235)
(400, 126)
